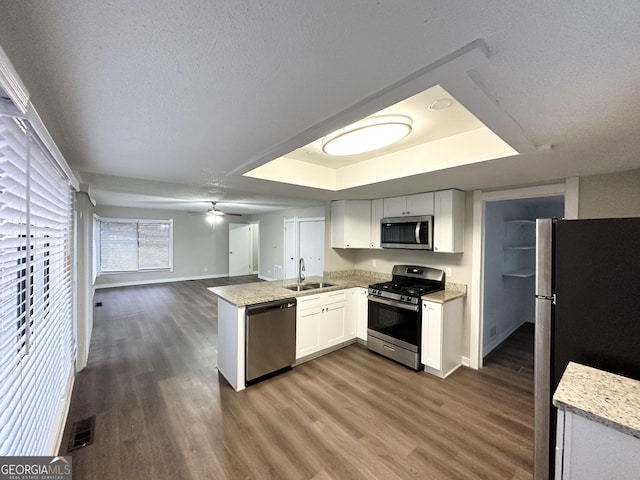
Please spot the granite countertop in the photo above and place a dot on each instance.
(602, 397)
(260, 292)
(451, 292)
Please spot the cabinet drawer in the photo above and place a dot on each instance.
(309, 301)
(333, 297)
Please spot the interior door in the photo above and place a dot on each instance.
(311, 246)
(239, 249)
(290, 249)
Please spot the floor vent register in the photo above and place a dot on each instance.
(82, 433)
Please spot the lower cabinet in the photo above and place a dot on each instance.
(361, 312)
(589, 450)
(324, 320)
(441, 337)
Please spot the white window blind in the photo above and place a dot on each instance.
(135, 245)
(36, 343)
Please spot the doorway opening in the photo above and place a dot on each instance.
(243, 249)
(509, 265)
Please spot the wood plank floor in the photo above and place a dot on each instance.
(163, 413)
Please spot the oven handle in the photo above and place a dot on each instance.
(413, 308)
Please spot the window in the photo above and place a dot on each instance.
(135, 245)
(36, 302)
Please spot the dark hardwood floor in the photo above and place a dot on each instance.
(163, 413)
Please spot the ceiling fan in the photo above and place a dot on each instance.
(217, 212)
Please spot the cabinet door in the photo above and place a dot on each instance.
(420, 204)
(394, 206)
(448, 221)
(362, 314)
(376, 215)
(334, 320)
(351, 314)
(308, 337)
(432, 335)
(350, 224)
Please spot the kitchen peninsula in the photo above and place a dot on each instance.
(341, 298)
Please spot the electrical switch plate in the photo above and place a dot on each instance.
(374, 263)
(447, 271)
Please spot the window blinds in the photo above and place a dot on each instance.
(135, 245)
(36, 339)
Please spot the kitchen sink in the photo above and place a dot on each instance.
(301, 287)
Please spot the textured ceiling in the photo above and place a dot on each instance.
(190, 94)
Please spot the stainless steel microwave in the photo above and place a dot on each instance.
(414, 233)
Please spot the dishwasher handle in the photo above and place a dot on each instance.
(268, 306)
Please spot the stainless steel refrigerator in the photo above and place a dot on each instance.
(587, 310)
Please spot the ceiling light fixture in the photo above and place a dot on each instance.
(367, 135)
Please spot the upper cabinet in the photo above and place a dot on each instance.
(351, 224)
(356, 223)
(409, 205)
(376, 216)
(448, 221)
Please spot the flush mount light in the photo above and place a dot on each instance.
(367, 135)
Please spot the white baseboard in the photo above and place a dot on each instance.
(501, 338)
(63, 414)
(161, 280)
(465, 361)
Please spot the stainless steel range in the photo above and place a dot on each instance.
(395, 317)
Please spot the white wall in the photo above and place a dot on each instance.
(272, 236)
(84, 277)
(611, 195)
(200, 249)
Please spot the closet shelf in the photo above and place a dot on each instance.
(521, 222)
(521, 273)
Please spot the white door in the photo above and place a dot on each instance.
(239, 249)
(290, 249)
(311, 246)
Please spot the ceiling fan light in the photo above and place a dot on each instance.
(367, 135)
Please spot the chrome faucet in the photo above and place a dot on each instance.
(300, 270)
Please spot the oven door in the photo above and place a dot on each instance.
(395, 322)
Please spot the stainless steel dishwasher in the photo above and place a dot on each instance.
(270, 337)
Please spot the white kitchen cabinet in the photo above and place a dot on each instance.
(589, 450)
(441, 336)
(351, 224)
(361, 312)
(409, 205)
(374, 228)
(324, 320)
(448, 221)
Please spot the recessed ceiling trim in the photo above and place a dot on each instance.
(454, 65)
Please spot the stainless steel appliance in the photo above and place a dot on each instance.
(270, 337)
(395, 317)
(587, 311)
(414, 233)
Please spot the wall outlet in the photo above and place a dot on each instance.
(206, 269)
(493, 331)
(447, 272)
(374, 263)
